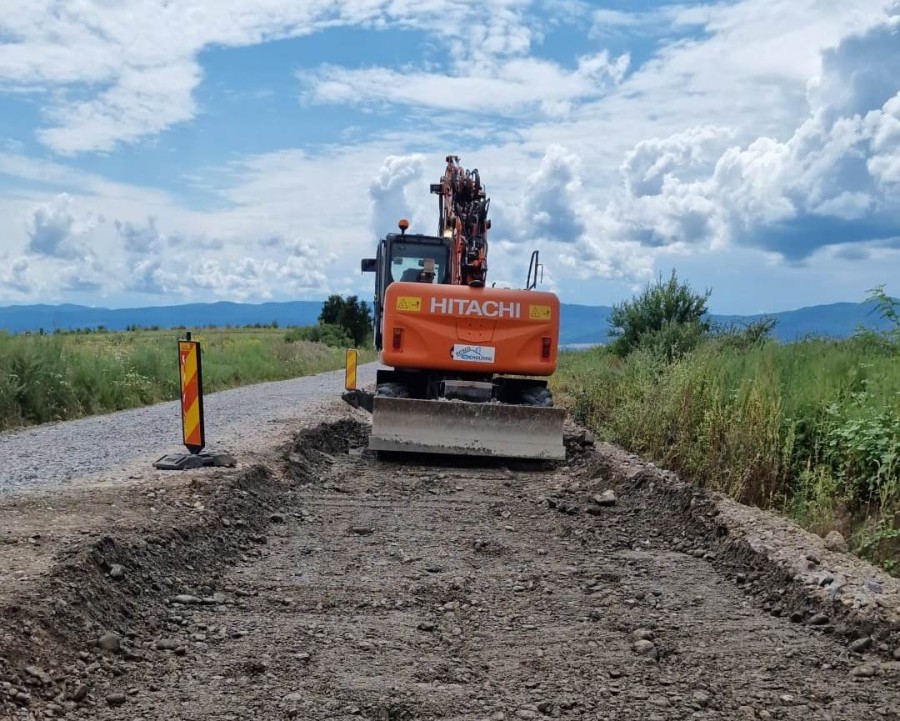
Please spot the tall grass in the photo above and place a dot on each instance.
(811, 428)
(51, 378)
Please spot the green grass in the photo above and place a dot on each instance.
(811, 429)
(59, 377)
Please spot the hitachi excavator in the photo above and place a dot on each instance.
(466, 361)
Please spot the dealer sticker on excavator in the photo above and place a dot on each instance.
(472, 353)
(539, 312)
(411, 304)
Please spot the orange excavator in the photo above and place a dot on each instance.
(466, 361)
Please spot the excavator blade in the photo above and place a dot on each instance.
(470, 429)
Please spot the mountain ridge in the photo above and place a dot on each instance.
(579, 323)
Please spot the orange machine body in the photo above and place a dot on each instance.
(459, 328)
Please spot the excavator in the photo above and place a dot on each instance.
(466, 362)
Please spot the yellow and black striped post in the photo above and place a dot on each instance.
(191, 372)
(350, 369)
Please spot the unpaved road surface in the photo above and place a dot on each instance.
(114, 446)
(328, 584)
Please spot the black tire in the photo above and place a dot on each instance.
(392, 390)
(537, 396)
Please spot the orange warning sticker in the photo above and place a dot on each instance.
(411, 304)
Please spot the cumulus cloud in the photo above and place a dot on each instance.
(141, 239)
(834, 180)
(388, 191)
(581, 236)
(16, 280)
(550, 205)
(691, 154)
(859, 74)
(90, 275)
(50, 229)
(55, 231)
(159, 263)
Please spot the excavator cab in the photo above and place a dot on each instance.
(408, 259)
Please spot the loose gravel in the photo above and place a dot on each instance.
(114, 446)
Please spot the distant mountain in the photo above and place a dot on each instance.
(583, 323)
(588, 324)
(20, 318)
(580, 323)
(836, 320)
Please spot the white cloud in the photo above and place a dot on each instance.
(244, 278)
(388, 192)
(144, 101)
(141, 240)
(16, 281)
(503, 87)
(690, 154)
(55, 231)
(127, 70)
(550, 204)
(833, 180)
(720, 139)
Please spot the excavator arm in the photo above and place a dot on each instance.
(462, 219)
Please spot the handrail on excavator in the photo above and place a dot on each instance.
(534, 266)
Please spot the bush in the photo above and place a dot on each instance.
(673, 340)
(330, 335)
(746, 335)
(667, 315)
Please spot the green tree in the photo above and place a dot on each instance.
(351, 314)
(668, 316)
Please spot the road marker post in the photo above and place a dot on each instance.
(193, 425)
(350, 369)
(190, 371)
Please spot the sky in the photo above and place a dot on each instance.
(156, 152)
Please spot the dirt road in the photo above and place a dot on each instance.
(112, 447)
(330, 585)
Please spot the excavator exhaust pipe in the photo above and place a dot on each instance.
(469, 429)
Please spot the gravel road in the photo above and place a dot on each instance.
(425, 590)
(113, 446)
(323, 583)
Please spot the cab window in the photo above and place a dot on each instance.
(408, 261)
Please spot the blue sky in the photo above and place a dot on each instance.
(154, 152)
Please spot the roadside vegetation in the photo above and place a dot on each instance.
(72, 374)
(811, 428)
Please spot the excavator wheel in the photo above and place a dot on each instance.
(392, 390)
(537, 396)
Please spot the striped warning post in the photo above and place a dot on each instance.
(191, 395)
